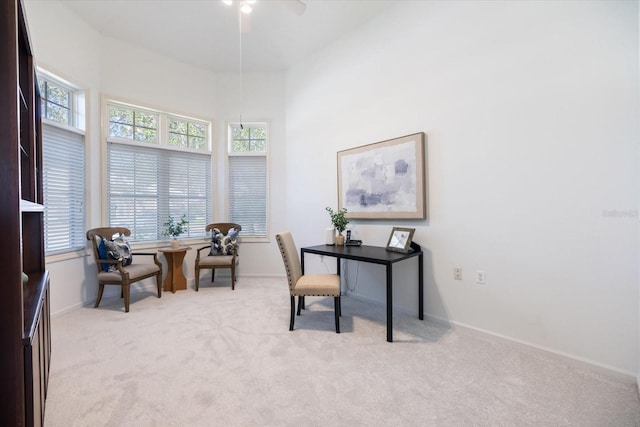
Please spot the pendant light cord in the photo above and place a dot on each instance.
(240, 34)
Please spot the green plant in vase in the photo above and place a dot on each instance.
(339, 221)
(174, 228)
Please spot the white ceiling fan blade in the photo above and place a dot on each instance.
(296, 6)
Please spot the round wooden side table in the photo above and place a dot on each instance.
(175, 280)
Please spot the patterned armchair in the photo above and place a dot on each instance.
(115, 264)
(222, 252)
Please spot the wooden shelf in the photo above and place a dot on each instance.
(25, 335)
(27, 206)
(34, 297)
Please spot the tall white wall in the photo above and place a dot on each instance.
(531, 115)
(66, 45)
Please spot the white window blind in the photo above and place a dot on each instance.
(63, 154)
(248, 194)
(147, 184)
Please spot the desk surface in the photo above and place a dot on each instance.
(373, 254)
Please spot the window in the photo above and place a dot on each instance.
(157, 165)
(63, 151)
(186, 134)
(136, 125)
(248, 183)
(56, 101)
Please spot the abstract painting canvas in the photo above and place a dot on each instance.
(384, 180)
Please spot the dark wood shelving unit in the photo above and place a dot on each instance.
(25, 328)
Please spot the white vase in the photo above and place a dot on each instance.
(330, 236)
(175, 243)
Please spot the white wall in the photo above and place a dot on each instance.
(107, 67)
(68, 47)
(531, 116)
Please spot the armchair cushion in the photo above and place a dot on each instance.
(135, 271)
(222, 244)
(117, 249)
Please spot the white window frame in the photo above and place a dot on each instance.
(161, 144)
(77, 125)
(266, 154)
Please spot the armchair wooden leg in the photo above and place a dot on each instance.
(213, 275)
(293, 311)
(99, 297)
(126, 289)
(336, 309)
(159, 283)
(197, 279)
(233, 278)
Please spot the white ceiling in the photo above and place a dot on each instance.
(205, 33)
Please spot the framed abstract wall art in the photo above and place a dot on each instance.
(384, 180)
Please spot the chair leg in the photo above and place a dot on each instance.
(339, 306)
(233, 278)
(300, 304)
(159, 283)
(99, 297)
(126, 289)
(293, 310)
(213, 274)
(336, 309)
(197, 279)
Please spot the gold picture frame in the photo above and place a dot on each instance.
(384, 180)
(400, 239)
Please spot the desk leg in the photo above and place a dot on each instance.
(389, 303)
(338, 272)
(301, 305)
(420, 287)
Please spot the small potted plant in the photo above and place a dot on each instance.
(339, 221)
(174, 228)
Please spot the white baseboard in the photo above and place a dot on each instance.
(567, 357)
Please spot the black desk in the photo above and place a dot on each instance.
(375, 255)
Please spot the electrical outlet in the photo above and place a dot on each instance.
(480, 277)
(457, 273)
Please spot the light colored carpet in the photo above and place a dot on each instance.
(226, 358)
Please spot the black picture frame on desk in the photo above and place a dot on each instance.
(400, 239)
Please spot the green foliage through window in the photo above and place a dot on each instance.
(187, 134)
(129, 123)
(249, 140)
(56, 101)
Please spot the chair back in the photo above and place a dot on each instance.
(224, 227)
(107, 233)
(290, 258)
